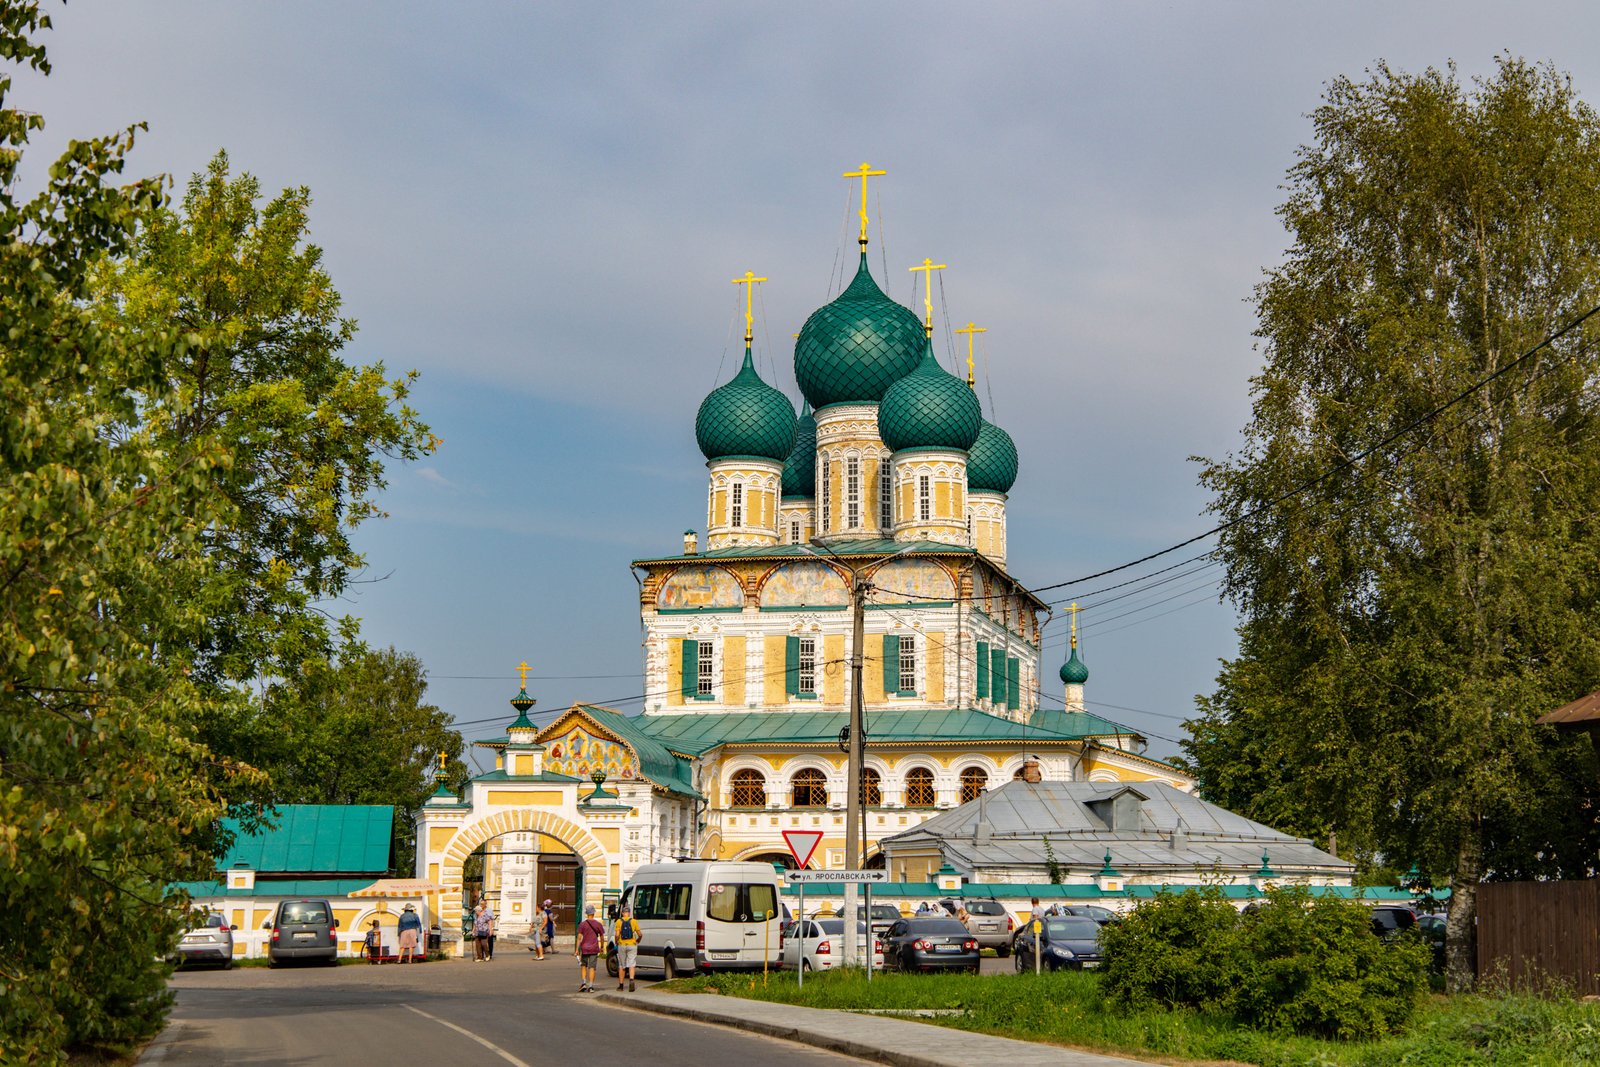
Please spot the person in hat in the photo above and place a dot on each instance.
(482, 929)
(373, 945)
(544, 929)
(591, 932)
(626, 935)
(410, 931)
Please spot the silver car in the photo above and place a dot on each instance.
(209, 941)
(824, 944)
(991, 924)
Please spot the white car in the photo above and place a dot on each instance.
(824, 945)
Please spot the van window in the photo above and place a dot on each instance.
(738, 902)
(304, 911)
(985, 907)
(662, 902)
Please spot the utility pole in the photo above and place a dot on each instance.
(858, 753)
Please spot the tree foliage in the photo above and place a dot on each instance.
(1409, 615)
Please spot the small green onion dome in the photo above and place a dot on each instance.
(800, 470)
(746, 417)
(929, 408)
(1073, 672)
(992, 461)
(853, 349)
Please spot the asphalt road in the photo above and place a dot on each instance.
(513, 1011)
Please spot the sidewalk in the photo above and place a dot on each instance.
(867, 1037)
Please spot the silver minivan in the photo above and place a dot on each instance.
(703, 916)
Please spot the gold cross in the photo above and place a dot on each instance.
(523, 668)
(1074, 609)
(864, 173)
(443, 758)
(928, 267)
(749, 281)
(969, 329)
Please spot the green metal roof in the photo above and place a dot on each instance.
(992, 461)
(800, 471)
(275, 887)
(498, 775)
(1079, 723)
(746, 417)
(316, 839)
(929, 408)
(1073, 672)
(695, 734)
(656, 761)
(852, 349)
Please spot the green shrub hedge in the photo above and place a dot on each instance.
(1292, 963)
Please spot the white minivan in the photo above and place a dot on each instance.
(703, 915)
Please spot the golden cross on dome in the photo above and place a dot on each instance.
(864, 173)
(969, 329)
(927, 268)
(523, 669)
(444, 758)
(749, 282)
(1074, 609)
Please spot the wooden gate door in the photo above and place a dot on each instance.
(558, 882)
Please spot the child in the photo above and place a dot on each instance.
(374, 943)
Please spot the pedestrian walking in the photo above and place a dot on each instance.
(544, 929)
(373, 945)
(590, 933)
(627, 937)
(482, 926)
(410, 932)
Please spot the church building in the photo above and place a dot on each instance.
(890, 472)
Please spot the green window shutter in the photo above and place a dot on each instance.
(791, 665)
(1013, 684)
(997, 675)
(690, 659)
(891, 663)
(983, 669)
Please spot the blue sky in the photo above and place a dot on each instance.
(540, 206)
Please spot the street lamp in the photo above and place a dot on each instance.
(855, 814)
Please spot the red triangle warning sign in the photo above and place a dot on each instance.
(802, 844)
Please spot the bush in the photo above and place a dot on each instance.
(1293, 963)
(1171, 951)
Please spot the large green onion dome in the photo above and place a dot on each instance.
(1073, 672)
(746, 417)
(992, 461)
(853, 349)
(929, 408)
(800, 470)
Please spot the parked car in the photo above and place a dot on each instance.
(1390, 922)
(823, 944)
(303, 930)
(208, 941)
(930, 945)
(1091, 911)
(884, 916)
(991, 925)
(1431, 927)
(703, 915)
(1070, 941)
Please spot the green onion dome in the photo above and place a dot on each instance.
(992, 461)
(1073, 672)
(800, 470)
(746, 417)
(853, 349)
(929, 408)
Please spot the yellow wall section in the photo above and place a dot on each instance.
(609, 837)
(733, 670)
(772, 670)
(872, 670)
(522, 763)
(833, 674)
(520, 797)
(935, 667)
(719, 508)
(941, 500)
(439, 836)
(675, 671)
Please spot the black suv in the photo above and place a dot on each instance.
(1389, 922)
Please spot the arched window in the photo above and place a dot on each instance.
(749, 790)
(973, 782)
(919, 788)
(1018, 776)
(809, 788)
(871, 788)
(738, 504)
(852, 492)
(924, 497)
(885, 494)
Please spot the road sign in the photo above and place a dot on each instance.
(802, 844)
(838, 876)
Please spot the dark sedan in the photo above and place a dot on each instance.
(929, 945)
(1071, 942)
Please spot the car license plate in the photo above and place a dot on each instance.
(194, 939)
(1087, 964)
(305, 936)
(724, 955)
(947, 948)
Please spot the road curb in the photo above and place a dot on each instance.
(821, 1028)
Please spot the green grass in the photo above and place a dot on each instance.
(1067, 1009)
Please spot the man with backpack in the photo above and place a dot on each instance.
(591, 932)
(627, 938)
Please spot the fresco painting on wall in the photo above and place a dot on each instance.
(580, 755)
(700, 587)
(804, 585)
(911, 580)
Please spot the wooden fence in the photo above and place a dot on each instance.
(1533, 934)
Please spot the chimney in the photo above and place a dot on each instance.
(691, 543)
(1030, 771)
